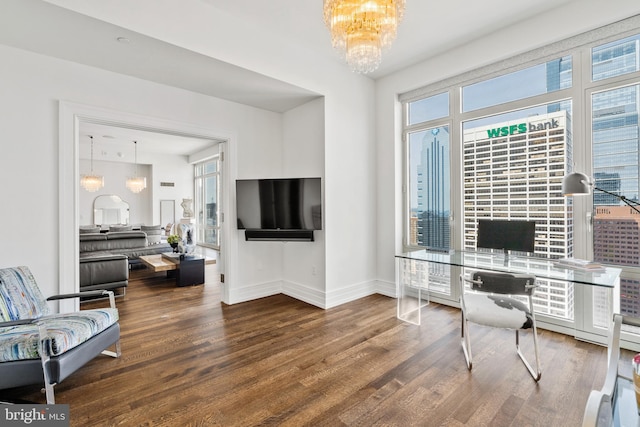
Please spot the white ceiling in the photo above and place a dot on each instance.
(117, 143)
(428, 28)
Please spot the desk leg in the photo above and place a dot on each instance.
(412, 289)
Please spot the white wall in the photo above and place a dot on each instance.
(350, 170)
(303, 263)
(350, 173)
(144, 206)
(32, 86)
(115, 175)
(165, 168)
(539, 31)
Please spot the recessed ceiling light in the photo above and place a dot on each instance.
(123, 40)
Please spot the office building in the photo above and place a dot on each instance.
(433, 193)
(514, 170)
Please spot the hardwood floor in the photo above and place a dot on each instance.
(189, 360)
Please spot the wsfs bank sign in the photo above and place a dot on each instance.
(34, 415)
(522, 128)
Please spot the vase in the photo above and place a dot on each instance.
(174, 246)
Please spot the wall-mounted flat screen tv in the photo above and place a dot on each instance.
(279, 204)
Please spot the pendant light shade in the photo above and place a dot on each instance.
(136, 183)
(92, 182)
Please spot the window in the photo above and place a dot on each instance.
(504, 152)
(207, 206)
(433, 107)
(430, 188)
(616, 58)
(543, 78)
(616, 153)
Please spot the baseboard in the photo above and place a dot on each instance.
(310, 295)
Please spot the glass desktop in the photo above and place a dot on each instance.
(413, 288)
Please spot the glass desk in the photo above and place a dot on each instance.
(412, 275)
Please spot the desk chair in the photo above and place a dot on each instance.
(490, 303)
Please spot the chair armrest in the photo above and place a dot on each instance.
(598, 411)
(97, 293)
(16, 322)
(613, 356)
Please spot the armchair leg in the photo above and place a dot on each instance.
(116, 353)
(44, 358)
(49, 393)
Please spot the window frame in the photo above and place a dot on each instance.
(201, 189)
(580, 49)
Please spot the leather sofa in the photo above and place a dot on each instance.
(105, 258)
(104, 271)
(133, 244)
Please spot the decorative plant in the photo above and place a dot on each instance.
(174, 238)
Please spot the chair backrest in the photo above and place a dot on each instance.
(20, 297)
(503, 283)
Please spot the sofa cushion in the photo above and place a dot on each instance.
(130, 243)
(93, 242)
(20, 297)
(89, 229)
(120, 228)
(64, 332)
(154, 233)
(103, 271)
(136, 253)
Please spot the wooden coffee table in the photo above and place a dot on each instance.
(188, 271)
(158, 263)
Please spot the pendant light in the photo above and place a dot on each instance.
(136, 183)
(91, 182)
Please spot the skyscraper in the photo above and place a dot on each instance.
(433, 191)
(616, 156)
(514, 170)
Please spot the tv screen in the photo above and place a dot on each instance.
(506, 235)
(279, 204)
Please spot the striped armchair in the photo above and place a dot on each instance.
(37, 346)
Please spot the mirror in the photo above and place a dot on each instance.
(167, 212)
(110, 210)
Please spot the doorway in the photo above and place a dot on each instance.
(72, 118)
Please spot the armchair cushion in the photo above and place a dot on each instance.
(64, 332)
(20, 297)
(36, 345)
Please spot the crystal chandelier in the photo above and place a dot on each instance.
(362, 28)
(136, 183)
(91, 182)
